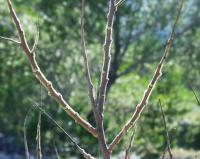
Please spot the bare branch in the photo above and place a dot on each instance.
(127, 153)
(197, 99)
(9, 39)
(107, 56)
(36, 41)
(82, 151)
(166, 131)
(104, 80)
(55, 148)
(140, 107)
(86, 65)
(25, 139)
(163, 155)
(43, 80)
(38, 138)
(119, 3)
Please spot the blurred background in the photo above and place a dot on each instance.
(141, 29)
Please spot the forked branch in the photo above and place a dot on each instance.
(41, 77)
(144, 101)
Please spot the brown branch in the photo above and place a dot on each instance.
(140, 107)
(166, 131)
(43, 80)
(86, 65)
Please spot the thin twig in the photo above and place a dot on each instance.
(25, 139)
(38, 136)
(166, 131)
(107, 56)
(36, 40)
(55, 148)
(86, 65)
(119, 3)
(144, 101)
(43, 80)
(163, 155)
(197, 99)
(127, 153)
(81, 150)
(9, 39)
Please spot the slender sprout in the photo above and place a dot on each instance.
(9, 39)
(197, 99)
(38, 138)
(25, 138)
(85, 57)
(119, 3)
(36, 40)
(55, 148)
(166, 132)
(127, 152)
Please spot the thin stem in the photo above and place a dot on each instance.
(38, 138)
(86, 65)
(127, 153)
(196, 97)
(166, 131)
(36, 41)
(144, 101)
(119, 3)
(55, 148)
(9, 39)
(25, 139)
(107, 56)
